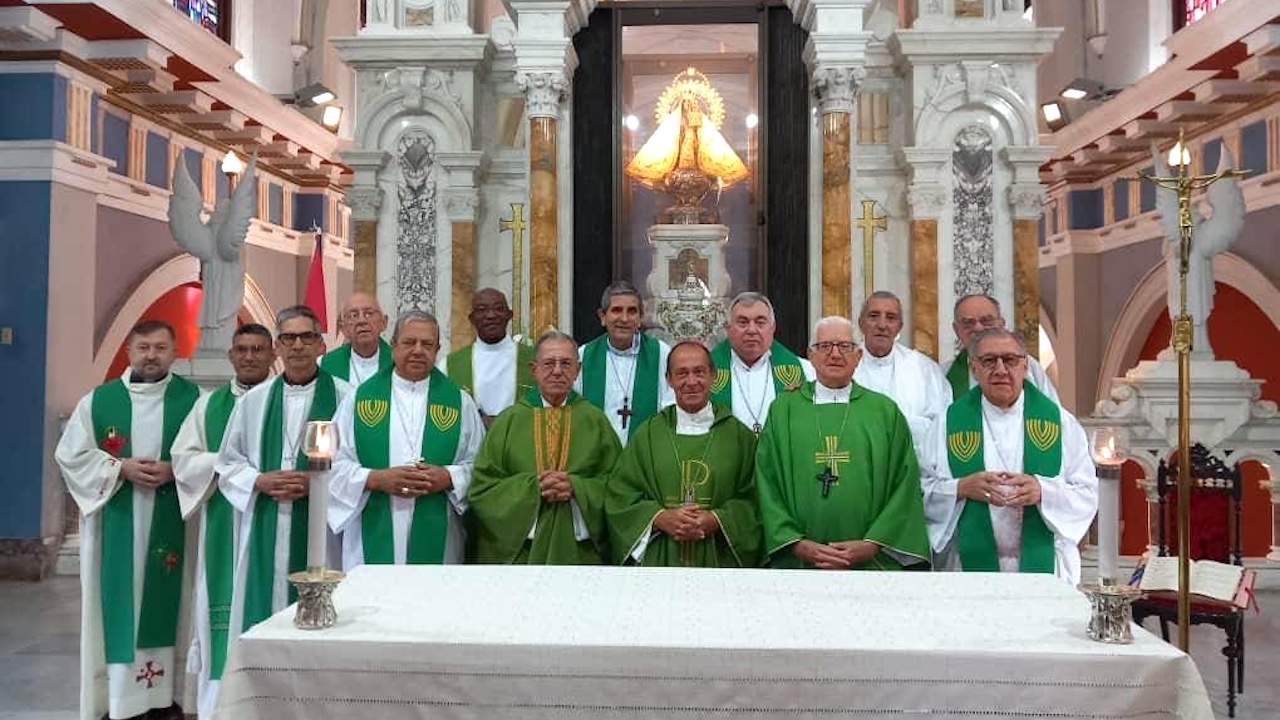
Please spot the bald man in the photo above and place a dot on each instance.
(365, 353)
(494, 369)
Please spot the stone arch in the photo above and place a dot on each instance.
(1150, 298)
(1008, 111)
(426, 105)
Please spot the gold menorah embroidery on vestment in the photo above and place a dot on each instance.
(789, 375)
(1043, 433)
(721, 381)
(964, 444)
(372, 412)
(444, 417)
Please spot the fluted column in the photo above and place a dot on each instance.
(543, 91)
(1026, 201)
(835, 89)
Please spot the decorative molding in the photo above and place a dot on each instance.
(1026, 201)
(461, 204)
(973, 212)
(54, 161)
(543, 90)
(836, 87)
(365, 202)
(417, 219)
(926, 200)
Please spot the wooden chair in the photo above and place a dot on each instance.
(1215, 535)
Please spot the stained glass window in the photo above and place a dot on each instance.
(1197, 9)
(212, 15)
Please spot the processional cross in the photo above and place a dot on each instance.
(830, 457)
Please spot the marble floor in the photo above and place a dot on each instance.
(40, 627)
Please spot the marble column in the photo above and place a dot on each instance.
(462, 214)
(926, 202)
(835, 89)
(1026, 282)
(543, 93)
(365, 202)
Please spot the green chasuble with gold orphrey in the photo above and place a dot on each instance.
(506, 498)
(660, 469)
(876, 496)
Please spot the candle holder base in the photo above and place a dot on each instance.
(315, 598)
(1112, 618)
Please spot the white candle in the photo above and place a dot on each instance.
(1109, 524)
(317, 520)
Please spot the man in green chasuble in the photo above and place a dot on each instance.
(837, 474)
(365, 353)
(683, 493)
(114, 455)
(538, 485)
(195, 451)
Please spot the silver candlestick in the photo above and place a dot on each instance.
(1112, 616)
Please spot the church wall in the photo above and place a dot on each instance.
(130, 248)
(278, 275)
(1122, 270)
(1049, 293)
(1257, 244)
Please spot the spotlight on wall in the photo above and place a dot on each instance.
(631, 122)
(1086, 89)
(312, 95)
(1055, 115)
(331, 117)
(752, 121)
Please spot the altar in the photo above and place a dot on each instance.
(559, 642)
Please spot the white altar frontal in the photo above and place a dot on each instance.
(554, 642)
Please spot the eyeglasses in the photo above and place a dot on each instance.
(1011, 362)
(986, 321)
(307, 338)
(557, 364)
(250, 349)
(427, 344)
(367, 313)
(826, 347)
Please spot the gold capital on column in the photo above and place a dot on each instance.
(836, 264)
(924, 285)
(1026, 282)
(544, 197)
(464, 282)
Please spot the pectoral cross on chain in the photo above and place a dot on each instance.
(831, 457)
(624, 412)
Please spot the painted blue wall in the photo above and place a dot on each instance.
(1086, 210)
(157, 168)
(1147, 193)
(115, 141)
(193, 160)
(1253, 148)
(308, 212)
(41, 112)
(275, 204)
(24, 272)
(1212, 154)
(1120, 198)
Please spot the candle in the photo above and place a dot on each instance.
(1109, 451)
(321, 440)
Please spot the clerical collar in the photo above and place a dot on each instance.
(401, 381)
(695, 423)
(633, 350)
(377, 348)
(304, 383)
(239, 388)
(547, 403)
(823, 394)
(482, 346)
(871, 359)
(136, 379)
(1016, 407)
(762, 361)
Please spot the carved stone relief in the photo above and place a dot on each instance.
(973, 245)
(418, 221)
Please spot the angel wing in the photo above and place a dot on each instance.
(1216, 234)
(1166, 201)
(185, 206)
(239, 211)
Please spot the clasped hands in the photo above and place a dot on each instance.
(555, 486)
(687, 522)
(146, 472)
(1001, 489)
(410, 480)
(839, 555)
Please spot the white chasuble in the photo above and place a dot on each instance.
(915, 383)
(408, 417)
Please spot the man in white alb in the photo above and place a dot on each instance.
(911, 378)
(408, 439)
(972, 314)
(1008, 482)
(752, 367)
(622, 370)
(365, 352)
(494, 369)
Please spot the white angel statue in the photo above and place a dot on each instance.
(216, 243)
(1210, 236)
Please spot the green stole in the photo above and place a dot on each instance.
(461, 369)
(643, 393)
(1041, 455)
(157, 621)
(429, 526)
(788, 374)
(259, 580)
(958, 375)
(219, 538)
(338, 362)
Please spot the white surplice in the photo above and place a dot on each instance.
(915, 383)
(360, 369)
(494, 374)
(193, 465)
(408, 417)
(238, 468)
(620, 379)
(1035, 373)
(753, 390)
(1068, 501)
(93, 477)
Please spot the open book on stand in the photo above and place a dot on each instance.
(1218, 581)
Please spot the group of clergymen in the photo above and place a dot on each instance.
(624, 450)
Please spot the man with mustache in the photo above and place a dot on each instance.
(195, 451)
(622, 369)
(114, 455)
(537, 489)
(683, 493)
(837, 475)
(752, 369)
(408, 437)
(911, 378)
(494, 369)
(365, 352)
(972, 314)
(1009, 485)
(261, 468)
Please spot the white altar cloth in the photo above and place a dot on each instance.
(601, 643)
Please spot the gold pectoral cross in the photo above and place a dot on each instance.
(870, 224)
(830, 458)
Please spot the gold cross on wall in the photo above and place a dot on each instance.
(869, 224)
(516, 226)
